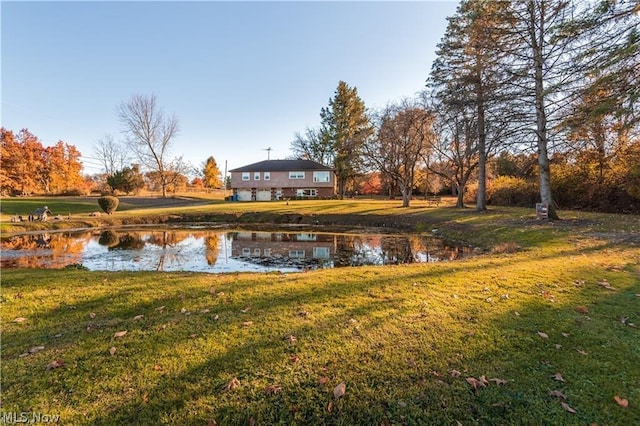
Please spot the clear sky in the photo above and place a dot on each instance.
(240, 76)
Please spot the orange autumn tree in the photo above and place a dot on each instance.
(65, 168)
(27, 167)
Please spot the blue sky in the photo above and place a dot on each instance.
(240, 76)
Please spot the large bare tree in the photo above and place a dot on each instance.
(404, 135)
(150, 134)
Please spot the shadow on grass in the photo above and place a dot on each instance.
(385, 337)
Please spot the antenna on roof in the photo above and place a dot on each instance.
(268, 152)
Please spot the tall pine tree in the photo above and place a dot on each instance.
(346, 125)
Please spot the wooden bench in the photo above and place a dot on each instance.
(433, 201)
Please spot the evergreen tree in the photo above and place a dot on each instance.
(346, 126)
(468, 74)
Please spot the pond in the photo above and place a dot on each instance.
(199, 249)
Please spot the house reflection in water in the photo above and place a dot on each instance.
(320, 250)
(300, 250)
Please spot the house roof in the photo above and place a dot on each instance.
(282, 166)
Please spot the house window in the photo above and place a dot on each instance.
(245, 176)
(321, 252)
(256, 252)
(267, 175)
(256, 176)
(246, 251)
(299, 254)
(321, 177)
(296, 175)
(306, 192)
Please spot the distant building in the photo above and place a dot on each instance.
(282, 179)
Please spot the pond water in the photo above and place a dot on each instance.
(199, 249)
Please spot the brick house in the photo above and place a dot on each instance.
(282, 179)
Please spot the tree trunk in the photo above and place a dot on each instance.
(481, 200)
(460, 198)
(406, 196)
(537, 42)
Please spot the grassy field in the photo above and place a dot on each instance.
(540, 329)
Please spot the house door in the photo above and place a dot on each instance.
(263, 195)
(244, 195)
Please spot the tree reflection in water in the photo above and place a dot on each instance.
(219, 251)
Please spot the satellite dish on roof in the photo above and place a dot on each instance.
(268, 152)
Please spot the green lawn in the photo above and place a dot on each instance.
(560, 316)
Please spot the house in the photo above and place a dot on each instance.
(282, 179)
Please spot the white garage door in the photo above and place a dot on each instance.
(263, 195)
(244, 195)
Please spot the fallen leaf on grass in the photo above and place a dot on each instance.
(558, 377)
(20, 319)
(475, 383)
(156, 367)
(330, 407)
(55, 364)
(339, 390)
(565, 334)
(212, 290)
(113, 350)
(138, 317)
(582, 352)
(145, 397)
(483, 380)
(498, 381)
(247, 323)
(294, 358)
(233, 384)
(604, 283)
(245, 310)
(272, 390)
(193, 336)
(120, 334)
(567, 408)
(216, 317)
(36, 349)
(291, 339)
(92, 315)
(455, 373)
(204, 311)
(411, 363)
(621, 401)
(558, 346)
(558, 394)
(323, 380)
(543, 335)
(582, 309)
(160, 308)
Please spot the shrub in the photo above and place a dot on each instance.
(512, 191)
(109, 238)
(108, 204)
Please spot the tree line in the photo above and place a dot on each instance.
(555, 82)
(28, 167)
